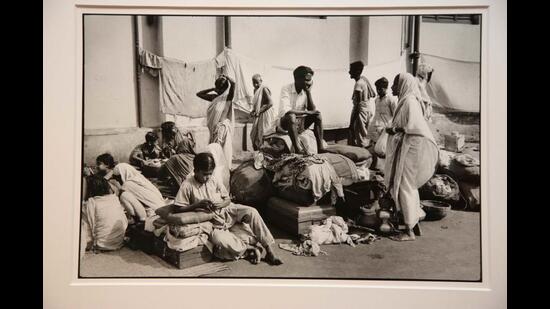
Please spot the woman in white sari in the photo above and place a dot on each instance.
(411, 153)
(219, 116)
(138, 195)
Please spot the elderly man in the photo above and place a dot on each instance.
(297, 112)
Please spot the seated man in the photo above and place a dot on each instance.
(297, 111)
(148, 150)
(202, 191)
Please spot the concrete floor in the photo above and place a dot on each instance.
(448, 250)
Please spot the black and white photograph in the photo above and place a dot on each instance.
(341, 147)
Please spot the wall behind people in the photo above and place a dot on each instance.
(288, 42)
(453, 50)
(378, 41)
(109, 73)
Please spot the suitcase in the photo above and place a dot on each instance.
(296, 219)
(196, 256)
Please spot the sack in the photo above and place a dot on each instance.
(380, 146)
(344, 167)
(472, 195)
(355, 154)
(441, 188)
(465, 168)
(250, 186)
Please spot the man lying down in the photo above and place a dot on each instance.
(202, 191)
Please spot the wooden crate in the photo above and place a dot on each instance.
(196, 256)
(294, 218)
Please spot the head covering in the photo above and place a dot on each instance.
(134, 182)
(408, 86)
(410, 105)
(186, 145)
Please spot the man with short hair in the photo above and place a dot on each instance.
(297, 112)
(363, 107)
(201, 190)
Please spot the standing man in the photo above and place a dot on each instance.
(297, 111)
(363, 107)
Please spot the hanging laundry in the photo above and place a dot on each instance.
(179, 81)
(240, 69)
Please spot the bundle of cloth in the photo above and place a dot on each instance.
(181, 231)
(333, 230)
(304, 179)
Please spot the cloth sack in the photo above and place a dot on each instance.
(380, 146)
(355, 154)
(250, 186)
(441, 188)
(344, 167)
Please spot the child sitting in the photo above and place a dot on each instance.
(146, 151)
(103, 220)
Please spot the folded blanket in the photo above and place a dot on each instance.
(188, 230)
(168, 214)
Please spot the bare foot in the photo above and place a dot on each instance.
(409, 236)
(271, 258)
(254, 255)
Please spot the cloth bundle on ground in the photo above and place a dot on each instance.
(441, 188)
(306, 248)
(104, 222)
(334, 230)
(168, 213)
(355, 154)
(251, 186)
(304, 179)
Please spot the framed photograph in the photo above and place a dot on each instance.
(299, 153)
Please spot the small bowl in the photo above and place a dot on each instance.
(435, 210)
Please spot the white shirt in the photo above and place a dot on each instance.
(291, 100)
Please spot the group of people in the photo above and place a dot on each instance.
(122, 192)
(410, 149)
